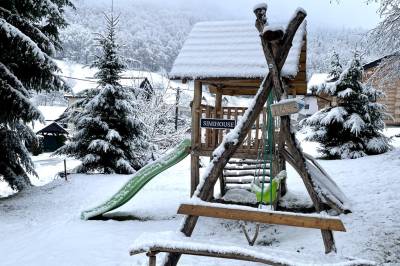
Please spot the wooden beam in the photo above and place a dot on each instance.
(263, 216)
(194, 158)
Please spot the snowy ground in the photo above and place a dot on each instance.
(41, 226)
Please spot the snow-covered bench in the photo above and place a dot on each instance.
(265, 255)
(196, 207)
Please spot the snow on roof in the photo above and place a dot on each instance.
(52, 113)
(316, 80)
(222, 49)
(81, 77)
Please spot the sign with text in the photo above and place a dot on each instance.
(217, 123)
(286, 107)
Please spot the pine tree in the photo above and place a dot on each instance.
(336, 66)
(353, 128)
(28, 38)
(109, 135)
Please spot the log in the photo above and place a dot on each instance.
(204, 192)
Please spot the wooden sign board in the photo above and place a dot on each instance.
(286, 107)
(217, 123)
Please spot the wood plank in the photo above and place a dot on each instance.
(245, 167)
(242, 173)
(263, 216)
(244, 180)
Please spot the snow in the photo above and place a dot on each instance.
(51, 113)
(230, 49)
(42, 226)
(336, 114)
(260, 5)
(280, 257)
(31, 46)
(316, 81)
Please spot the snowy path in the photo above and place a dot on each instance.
(41, 226)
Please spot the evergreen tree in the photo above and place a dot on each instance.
(28, 38)
(353, 128)
(109, 135)
(336, 67)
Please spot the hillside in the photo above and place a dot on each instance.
(152, 35)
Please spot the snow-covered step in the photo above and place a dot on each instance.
(245, 162)
(244, 180)
(245, 173)
(234, 167)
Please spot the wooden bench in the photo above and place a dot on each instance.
(242, 213)
(265, 256)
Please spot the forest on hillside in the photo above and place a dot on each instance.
(151, 36)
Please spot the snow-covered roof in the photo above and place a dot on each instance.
(222, 49)
(52, 113)
(316, 80)
(81, 77)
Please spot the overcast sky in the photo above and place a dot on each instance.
(321, 13)
(348, 13)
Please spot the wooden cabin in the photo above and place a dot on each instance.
(53, 137)
(391, 90)
(226, 58)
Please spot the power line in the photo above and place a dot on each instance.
(133, 78)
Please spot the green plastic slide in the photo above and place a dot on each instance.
(139, 180)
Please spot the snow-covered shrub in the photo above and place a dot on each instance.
(353, 128)
(158, 118)
(28, 39)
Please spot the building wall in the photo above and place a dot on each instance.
(391, 99)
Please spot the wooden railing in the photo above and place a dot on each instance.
(211, 138)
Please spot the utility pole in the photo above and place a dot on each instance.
(178, 91)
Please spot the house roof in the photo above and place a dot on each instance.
(316, 81)
(52, 128)
(51, 113)
(376, 62)
(230, 49)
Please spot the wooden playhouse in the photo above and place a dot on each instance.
(226, 58)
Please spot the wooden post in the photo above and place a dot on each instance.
(152, 258)
(196, 134)
(65, 170)
(298, 161)
(178, 90)
(218, 114)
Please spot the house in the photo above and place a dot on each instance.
(391, 89)
(52, 137)
(51, 133)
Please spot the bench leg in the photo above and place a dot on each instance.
(152, 258)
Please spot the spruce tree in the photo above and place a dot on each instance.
(28, 38)
(109, 135)
(353, 128)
